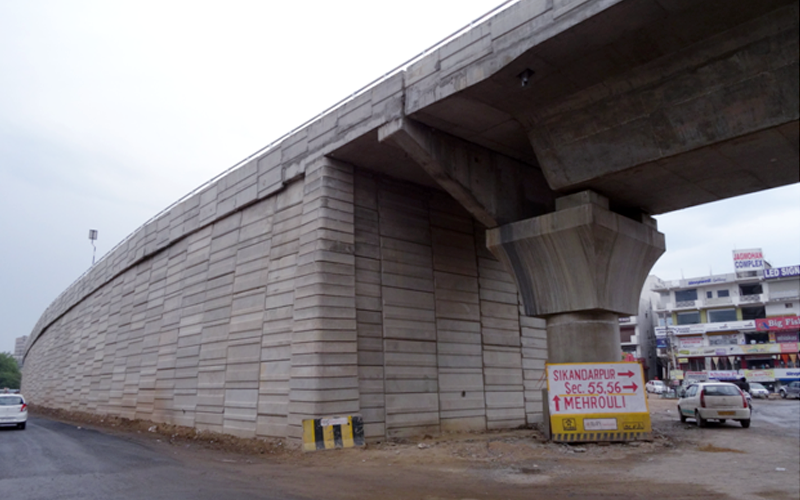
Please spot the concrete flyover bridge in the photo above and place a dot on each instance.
(417, 253)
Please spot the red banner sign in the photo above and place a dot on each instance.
(778, 323)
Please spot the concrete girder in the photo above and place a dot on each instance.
(716, 119)
(494, 188)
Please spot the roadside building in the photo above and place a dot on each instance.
(728, 326)
(637, 333)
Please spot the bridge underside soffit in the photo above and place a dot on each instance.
(655, 105)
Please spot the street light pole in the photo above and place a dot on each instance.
(93, 238)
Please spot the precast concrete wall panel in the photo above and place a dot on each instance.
(342, 293)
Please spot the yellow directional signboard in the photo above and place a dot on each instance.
(597, 402)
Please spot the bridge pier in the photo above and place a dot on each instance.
(580, 267)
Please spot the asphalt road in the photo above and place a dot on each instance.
(55, 461)
(782, 413)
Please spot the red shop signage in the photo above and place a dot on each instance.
(777, 323)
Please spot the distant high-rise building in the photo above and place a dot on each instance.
(19, 348)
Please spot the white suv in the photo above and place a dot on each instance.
(13, 410)
(656, 386)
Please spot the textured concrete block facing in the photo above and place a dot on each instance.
(269, 317)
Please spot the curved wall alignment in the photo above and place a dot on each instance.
(126, 337)
(344, 292)
(329, 274)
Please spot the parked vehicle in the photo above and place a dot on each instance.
(13, 410)
(790, 391)
(656, 386)
(714, 401)
(758, 391)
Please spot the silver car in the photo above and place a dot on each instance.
(714, 401)
(790, 391)
(13, 410)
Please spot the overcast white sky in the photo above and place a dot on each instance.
(110, 111)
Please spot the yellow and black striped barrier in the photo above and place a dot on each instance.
(333, 432)
(584, 437)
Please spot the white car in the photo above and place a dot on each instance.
(758, 391)
(656, 386)
(13, 410)
(714, 401)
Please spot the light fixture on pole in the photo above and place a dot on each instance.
(93, 238)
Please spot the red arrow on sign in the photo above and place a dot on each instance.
(631, 387)
(628, 374)
(556, 399)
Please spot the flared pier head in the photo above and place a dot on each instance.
(580, 267)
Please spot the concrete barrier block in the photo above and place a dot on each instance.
(408, 315)
(239, 428)
(244, 372)
(496, 280)
(406, 385)
(211, 399)
(461, 401)
(324, 371)
(247, 353)
(301, 410)
(462, 287)
(534, 364)
(371, 400)
(396, 422)
(504, 399)
(458, 310)
(213, 351)
(185, 402)
(409, 359)
(501, 338)
(445, 361)
(498, 310)
(503, 377)
(324, 395)
(271, 426)
(500, 323)
(323, 359)
(536, 344)
(502, 357)
(466, 423)
(399, 276)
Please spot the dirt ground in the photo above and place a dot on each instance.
(682, 461)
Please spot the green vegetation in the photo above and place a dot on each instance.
(10, 376)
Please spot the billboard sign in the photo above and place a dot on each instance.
(691, 342)
(781, 272)
(748, 260)
(597, 402)
(778, 323)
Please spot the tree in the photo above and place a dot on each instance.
(10, 376)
